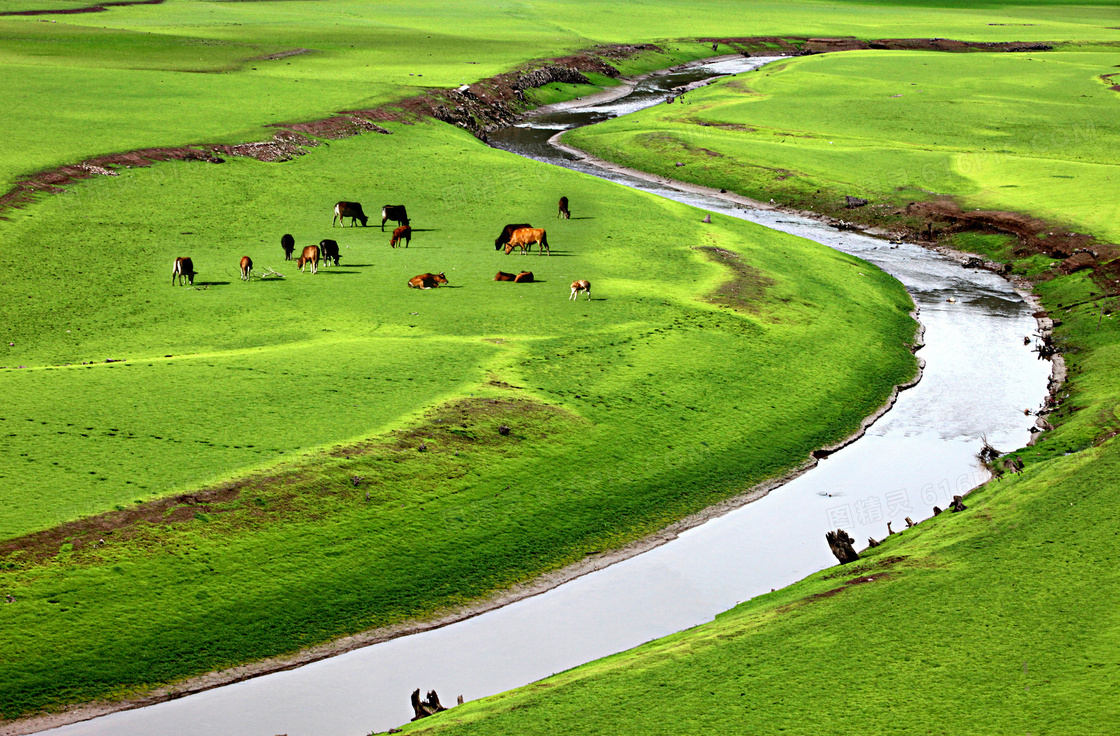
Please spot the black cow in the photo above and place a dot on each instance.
(328, 252)
(353, 210)
(288, 243)
(394, 212)
(506, 232)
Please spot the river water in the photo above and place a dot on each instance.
(978, 380)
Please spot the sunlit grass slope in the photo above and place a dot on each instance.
(1000, 619)
(1032, 131)
(188, 72)
(664, 402)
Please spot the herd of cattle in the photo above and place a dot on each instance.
(521, 236)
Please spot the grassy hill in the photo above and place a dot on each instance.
(995, 620)
(298, 434)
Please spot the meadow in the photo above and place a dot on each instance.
(176, 460)
(996, 620)
(269, 410)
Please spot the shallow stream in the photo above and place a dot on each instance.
(979, 378)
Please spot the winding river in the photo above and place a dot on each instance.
(979, 378)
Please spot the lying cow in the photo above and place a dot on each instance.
(288, 243)
(503, 239)
(183, 268)
(427, 281)
(353, 210)
(580, 286)
(310, 255)
(394, 212)
(328, 252)
(525, 277)
(525, 237)
(404, 232)
(246, 267)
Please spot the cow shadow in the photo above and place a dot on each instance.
(426, 229)
(581, 218)
(211, 283)
(358, 265)
(335, 272)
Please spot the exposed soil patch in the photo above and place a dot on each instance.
(283, 146)
(802, 46)
(99, 8)
(745, 291)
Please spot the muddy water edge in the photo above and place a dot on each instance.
(979, 379)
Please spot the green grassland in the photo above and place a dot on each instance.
(236, 435)
(188, 72)
(1000, 619)
(264, 374)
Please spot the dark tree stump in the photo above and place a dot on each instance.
(427, 707)
(958, 504)
(936, 510)
(871, 542)
(841, 545)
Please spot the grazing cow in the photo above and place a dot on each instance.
(506, 232)
(310, 255)
(394, 212)
(288, 243)
(328, 252)
(578, 286)
(562, 211)
(353, 210)
(427, 281)
(524, 239)
(183, 268)
(246, 267)
(404, 232)
(503, 276)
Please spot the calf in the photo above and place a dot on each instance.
(503, 276)
(183, 268)
(394, 212)
(404, 232)
(310, 255)
(328, 251)
(353, 210)
(427, 281)
(506, 232)
(562, 211)
(288, 243)
(578, 286)
(246, 267)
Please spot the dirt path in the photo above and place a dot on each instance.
(100, 8)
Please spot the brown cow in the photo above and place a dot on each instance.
(353, 210)
(525, 277)
(506, 232)
(404, 232)
(427, 281)
(524, 238)
(563, 209)
(394, 212)
(288, 243)
(310, 255)
(246, 267)
(183, 268)
(578, 286)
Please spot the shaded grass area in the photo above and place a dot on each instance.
(999, 619)
(618, 425)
